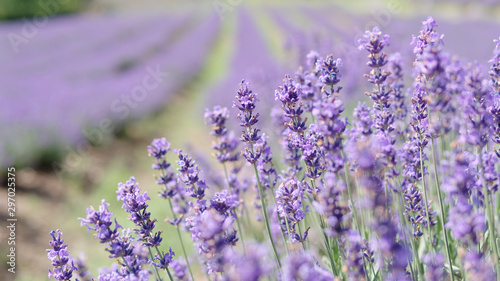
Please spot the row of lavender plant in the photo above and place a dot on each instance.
(405, 190)
(101, 84)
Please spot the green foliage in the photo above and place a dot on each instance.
(17, 9)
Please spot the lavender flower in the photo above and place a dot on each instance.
(189, 175)
(395, 82)
(59, 257)
(100, 222)
(135, 203)
(309, 90)
(245, 102)
(435, 264)
(289, 196)
(179, 269)
(426, 37)
(329, 74)
(302, 267)
(211, 233)
(387, 244)
(159, 149)
(289, 95)
(329, 203)
(226, 142)
(477, 268)
(330, 127)
(362, 123)
(291, 144)
(267, 173)
(224, 203)
(355, 262)
(495, 67)
(164, 259)
(416, 212)
(82, 269)
(476, 130)
(465, 224)
(252, 266)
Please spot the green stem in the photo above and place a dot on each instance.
(327, 246)
(235, 213)
(490, 216)
(443, 223)
(353, 209)
(163, 171)
(180, 239)
(156, 269)
(426, 203)
(264, 209)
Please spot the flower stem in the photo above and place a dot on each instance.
(438, 191)
(156, 268)
(180, 238)
(235, 213)
(426, 203)
(490, 216)
(264, 209)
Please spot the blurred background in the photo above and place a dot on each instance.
(85, 86)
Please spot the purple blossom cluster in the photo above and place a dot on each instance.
(406, 190)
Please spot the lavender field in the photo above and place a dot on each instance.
(252, 140)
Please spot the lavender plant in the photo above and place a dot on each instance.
(344, 199)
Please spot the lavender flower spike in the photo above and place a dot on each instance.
(245, 102)
(59, 256)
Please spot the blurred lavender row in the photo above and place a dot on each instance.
(251, 60)
(330, 29)
(77, 71)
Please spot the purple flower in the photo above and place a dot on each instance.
(224, 203)
(217, 119)
(478, 268)
(289, 94)
(179, 269)
(419, 116)
(267, 174)
(82, 269)
(100, 222)
(395, 82)
(129, 194)
(330, 128)
(462, 178)
(189, 174)
(495, 67)
(212, 232)
(435, 264)
(289, 196)
(354, 258)
(415, 210)
(291, 145)
(167, 178)
(302, 267)
(226, 143)
(245, 102)
(373, 41)
(135, 203)
(427, 36)
(164, 260)
(59, 257)
(362, 122)
(465, 223)
(309, 89)
(329, 74)
(330, 204)
(159, 148)
(252, 266)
